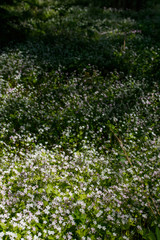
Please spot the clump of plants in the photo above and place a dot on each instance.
(79, 133)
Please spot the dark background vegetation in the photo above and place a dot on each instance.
(14, 14)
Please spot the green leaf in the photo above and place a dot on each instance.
(18, 236)
(3, 226)
(40, 190)
(39, 225)
(49, 188)
(151, 236)
(158, 233)
(51, 237)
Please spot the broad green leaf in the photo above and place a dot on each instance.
(151, 236)
(49, 188)
(3, 226)
(18, 236)
(51, 237)
(158, 233)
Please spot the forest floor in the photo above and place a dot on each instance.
(80, 124)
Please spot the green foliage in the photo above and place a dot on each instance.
(79, 133)
(152, 235)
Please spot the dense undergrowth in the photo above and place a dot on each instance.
(79, 133)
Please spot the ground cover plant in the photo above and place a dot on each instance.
(79, 122)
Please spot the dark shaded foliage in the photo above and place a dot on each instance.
(120, 4)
